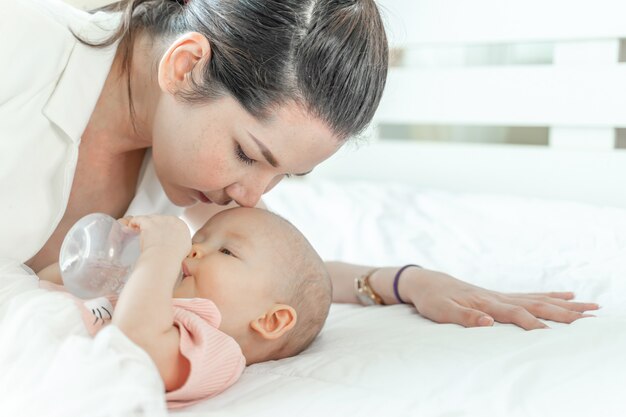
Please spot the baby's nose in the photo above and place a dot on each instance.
(194, 252)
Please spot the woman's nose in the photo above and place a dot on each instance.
(249, 193)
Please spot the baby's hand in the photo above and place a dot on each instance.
(157, 231)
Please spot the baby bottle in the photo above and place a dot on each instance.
(97, 256)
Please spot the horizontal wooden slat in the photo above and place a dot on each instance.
(523, 96)
(492, 21)
(594, 177)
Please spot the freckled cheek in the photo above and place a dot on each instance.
(215, 172)
(176, 156)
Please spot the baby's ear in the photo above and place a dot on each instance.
(277, 321)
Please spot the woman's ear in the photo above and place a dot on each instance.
(277, 321)
(180, 59)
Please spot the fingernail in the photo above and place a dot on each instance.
(588, 315)
(485, 321)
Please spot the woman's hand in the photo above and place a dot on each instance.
(444, 299)
(162, 232)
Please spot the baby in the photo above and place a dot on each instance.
(253, 289)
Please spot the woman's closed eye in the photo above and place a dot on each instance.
(241, 155)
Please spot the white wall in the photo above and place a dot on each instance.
(88, 4)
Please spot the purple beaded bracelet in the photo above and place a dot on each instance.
(396, 280)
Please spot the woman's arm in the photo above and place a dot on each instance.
(144, 309)
(444, 299)
(438, 296)
(51, 273)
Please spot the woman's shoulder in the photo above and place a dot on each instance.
(47, 21)
(57, 11)
(39, 34)
(46, 99)
(41, 44)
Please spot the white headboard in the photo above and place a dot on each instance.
(577, 94)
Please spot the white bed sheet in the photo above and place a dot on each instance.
(390, 361)
(372, 361)
(50, 367)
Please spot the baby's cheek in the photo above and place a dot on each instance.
(220, 295)
(184, 289)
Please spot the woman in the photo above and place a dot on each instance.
(219, 100)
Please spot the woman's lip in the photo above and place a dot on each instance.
(203, 197)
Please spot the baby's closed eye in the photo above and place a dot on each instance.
(226, 252)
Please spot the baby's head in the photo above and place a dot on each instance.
(270, 285)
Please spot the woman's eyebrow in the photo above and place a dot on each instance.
(267, 154)
(269, 157)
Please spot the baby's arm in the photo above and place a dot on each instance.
(144, 309)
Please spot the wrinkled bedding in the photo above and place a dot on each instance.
(371, 361)
(390, 361)
(50, 367)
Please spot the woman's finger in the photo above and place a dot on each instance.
(573, 306)
(514, 314)
(563, 295)
(553, 312)
(451, 312)
(559, 301)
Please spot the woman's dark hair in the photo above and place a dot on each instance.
(331, 56)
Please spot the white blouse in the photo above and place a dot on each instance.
(49, 86)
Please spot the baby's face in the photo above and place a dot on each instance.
(231, 263)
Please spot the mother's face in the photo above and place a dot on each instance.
(218, 152)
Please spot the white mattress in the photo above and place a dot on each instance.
(377, 360)
(390, 361)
